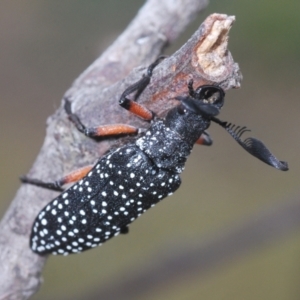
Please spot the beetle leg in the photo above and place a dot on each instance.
(205, 139)
(139, 86)
(137, 109)
(57, 185)
(104, 130)
(124, 230)
(192, 92)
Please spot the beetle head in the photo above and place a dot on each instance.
(206, 100)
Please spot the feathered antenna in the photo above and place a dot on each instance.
(252, 145)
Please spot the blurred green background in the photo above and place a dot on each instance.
(45, 45)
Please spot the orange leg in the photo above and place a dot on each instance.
(104, 130)
(133, 106)
(137, 109)
(204, 139)
(115, 129)
(138, 87)
(57, 185)
(75, 175)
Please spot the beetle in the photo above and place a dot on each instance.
(127, 181)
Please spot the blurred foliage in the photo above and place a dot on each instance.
(47, 44)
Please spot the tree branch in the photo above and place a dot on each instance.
(94, 95)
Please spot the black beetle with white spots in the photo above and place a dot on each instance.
(129, 180)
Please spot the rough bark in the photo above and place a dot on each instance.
(94, 94)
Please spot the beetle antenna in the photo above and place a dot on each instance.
(252, 145)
